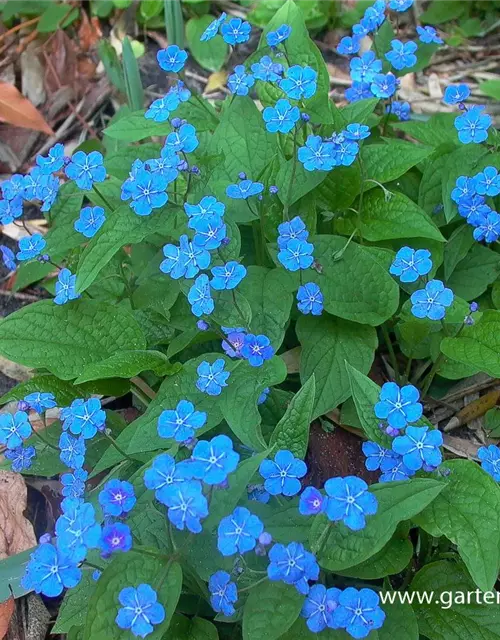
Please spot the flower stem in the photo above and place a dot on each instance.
(117, 446)
(255, 584)
(102, 197)
(390, 349)
(290, 184)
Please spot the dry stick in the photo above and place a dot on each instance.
(18, 27)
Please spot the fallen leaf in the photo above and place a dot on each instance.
(216, 81)
(18, 110)
(32, 75)
(14, 371)
(16, 532)
(89, 32)
(6, 611)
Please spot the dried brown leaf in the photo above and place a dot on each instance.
(18, 110)
(89, 32)
(216, 81)
(6, 611)
(16, 532)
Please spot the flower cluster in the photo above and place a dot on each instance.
(473, 124)
(340, 149)
(471, 196)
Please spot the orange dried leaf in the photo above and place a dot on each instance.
(6, 611)
(19, 111)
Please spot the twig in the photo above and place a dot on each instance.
(18, 27)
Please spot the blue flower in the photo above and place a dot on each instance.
(456, 93)
(32, 183)
(282, 117)
(72, 450)
(223, 593)
(400, 109)
(409, 264)
(275, 38)
(245, 189)
(47, 191)
(210, 231)
(488, 228)
(400, 5)
(13, 188)
(199, 297)
(182, 422)
(473, 125)
(358, 91)
(50, 572)
(238, 532)
(257, 493)
(84, 417)
(345, 152)
(240, 81)
(296, 255)
(267, 70)
(161, 108)
(428, 35)
(311, 502)
(76, 529)
(74, 483)
(184, 261)
(212, 461)
(234, 344)
(140, 610)
(348, 46)
(90, 221)
(487, 182)
(490, 460)
(257, 349)
(295, 229)
(8, 257)
(317, 154)
(181, 91)
(10, 210)
(402, 55)
(30, 247)
(212, 377)
(148, 192)
(310, 299)
(172, 58)
(14, 429)
(163, 474)
(21, 458)
(358, 612)
(117, 497)
(207, 206)
(86, 169)
(432, 301)
(183, 139)
(282, 474)
(394, 469)
(235, 31)
(186, 505)
(263, 396)
(228, 276)
(473, 208)
(53, 161)
(399, 406)
(356, 131)
(65, 287)
(128, 185)
(350, 501)
(39, 402)
(384, 85)
(115, 537)
(299, 82)
(464, 187)
(419, 446)
(293, 565)
(375, 454)
(213, 28)
(365, 67)
(318, 607)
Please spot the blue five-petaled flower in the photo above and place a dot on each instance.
(399, 406)
(432, 301)
(172, 58)
(238, 532)
(140, 610)
(182, 422)
(350, 501)
(282, 474)
(212, 377)
(410, 264)
(86, 169)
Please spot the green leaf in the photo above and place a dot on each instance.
(182, 628)
(270, 611)
(386, 162)
(284, 523)
(397, 217)
(358, 112)
(74, 606)
(440, 12)
(65, 339)
(302, 181)
(391, 560)
(210, 55)
(327, 342)
(356, 286)
(238, 401)
(340, 188)
(125, 570)
(122, 227)
(132, 77)
(127, 364)
(467, 512)
(490, 88)
(135, 127)
(397, 501)
(225, 500)
(451, 614)
(430, 192)
(437, 130)
(269, 300)
(12, 569)
(299, 631)
(462, 162)
(292, 431)
(400, 622)
(457, 247)
(474, 273)
(118, 164)
(478, 345)
(57, 16)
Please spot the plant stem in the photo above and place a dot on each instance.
(254, 585)
(360, 202)
(117, 446)
(390, 349)
(290, 184)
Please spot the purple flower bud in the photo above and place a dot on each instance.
(176, 122)
(23, 406)
(202, 325)
(43, 258)
(461, 106)
(260, 196)
(392, 432)
(273, 189)
(239, 570)
(265, 538)
(67, 159)
(96, 575)
(183, 166)
(242, 175)
(469, 321)
(331, 605)
(318, 267)
(428, 468)
(195, 170)
(225, 242)
(443, 471)
(305, 117)
(473, 307)
(45, 538)
(260, 550)
(223, 485)
(191, 443)
(105, 556)
(280, 54)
